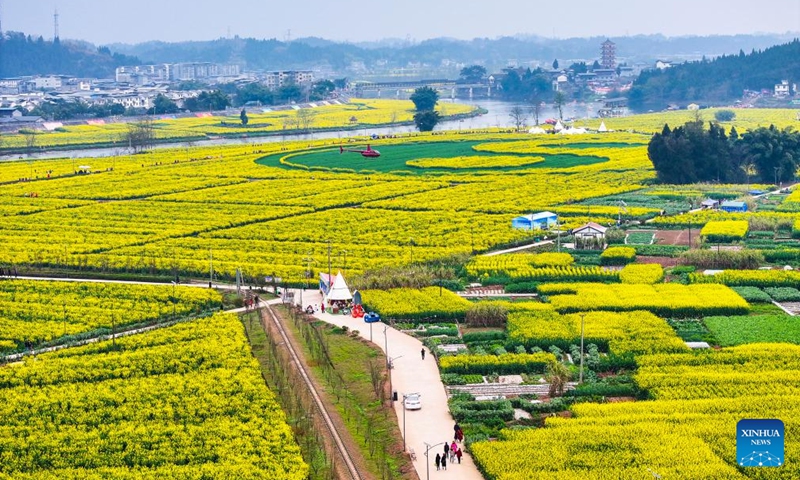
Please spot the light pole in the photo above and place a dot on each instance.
(386, 352)
(404, 421)
(309, 260)
(330, 280)
(583, 315)
(173, 300)
(427, 460)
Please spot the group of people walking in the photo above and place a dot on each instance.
(452, 452)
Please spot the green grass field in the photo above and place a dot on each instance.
(739, 330)
(394, 158)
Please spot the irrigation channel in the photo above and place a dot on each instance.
(497, 117)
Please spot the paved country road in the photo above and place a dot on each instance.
(432, 424)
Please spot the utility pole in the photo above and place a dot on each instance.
(329, 265)
(55, 26)
(308, 259)
(558, 236)
(583, 315)
(210, 267)
(174, 300)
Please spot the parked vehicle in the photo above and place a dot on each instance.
(412, 401)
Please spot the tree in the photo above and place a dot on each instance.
(517, 116)
(305, 118)
(289, 93)
(425, 98)
(162, 104)
(140, 135)
(30, 141)
(557, 375)
(536, 108)
(321, 89)
(256, 93)
(559, 100)
(426, 120)
(724, 115)
(243, 117)
(555, 64)
(595, 65)
(472, 74)
(215, 100)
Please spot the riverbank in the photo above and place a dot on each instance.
(367, 117)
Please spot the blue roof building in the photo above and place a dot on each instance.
(733, 207)
(536, 221)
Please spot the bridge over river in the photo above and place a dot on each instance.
(403, 90)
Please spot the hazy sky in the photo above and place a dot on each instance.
(130, 21)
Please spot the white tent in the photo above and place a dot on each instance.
(602, 127)
(339, 290)
(536, 130)
(559, 126)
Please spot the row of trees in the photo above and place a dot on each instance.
(691, 153)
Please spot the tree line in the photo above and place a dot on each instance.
(691, 153)
(211, 99)
(716, 81)
(22, 55)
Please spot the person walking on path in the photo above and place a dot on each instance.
(453, 448)
(438, 461)
(446, 449)
(444, 462)
(458, 455)
(423, 353)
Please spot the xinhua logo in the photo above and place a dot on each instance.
(759, 443)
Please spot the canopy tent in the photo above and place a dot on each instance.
(602, 127)
(537, 130)
(572, 131)
(559, 126)
(339, 290)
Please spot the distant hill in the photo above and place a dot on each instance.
(23, 55)
(492, 53)
(718, 81)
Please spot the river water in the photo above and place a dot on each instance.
(498, 116)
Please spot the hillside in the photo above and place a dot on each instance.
(719, 81)
(492, 53)
(25, 55)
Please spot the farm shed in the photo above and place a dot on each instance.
(536, 221)
(732, 207)
(710, 204)
(591, 235)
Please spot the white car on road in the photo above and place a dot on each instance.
(412, 401)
